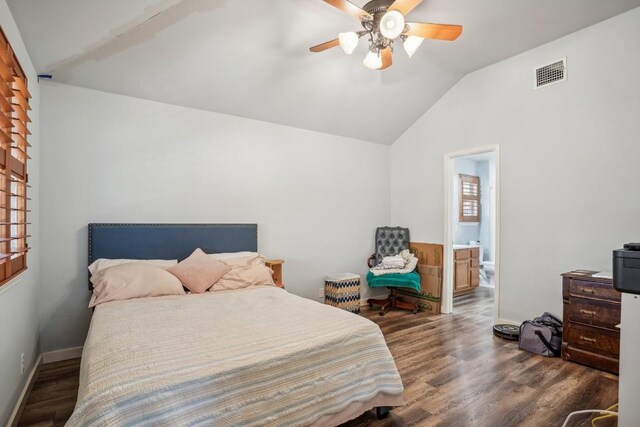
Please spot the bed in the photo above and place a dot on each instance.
(250, 357)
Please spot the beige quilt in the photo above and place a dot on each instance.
(251, 357)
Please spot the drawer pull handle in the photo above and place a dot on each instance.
(588, 313)
(589, 291)
(587, 339)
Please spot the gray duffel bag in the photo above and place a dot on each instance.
(542, 335)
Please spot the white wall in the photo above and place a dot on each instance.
(317, 198)
(569, 159)
(19, 298)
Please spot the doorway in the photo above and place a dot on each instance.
(472, 228)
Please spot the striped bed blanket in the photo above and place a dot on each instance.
(251, 357)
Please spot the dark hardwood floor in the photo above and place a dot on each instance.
(53, 395)
(455, 372)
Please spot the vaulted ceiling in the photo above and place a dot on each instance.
(250, 58)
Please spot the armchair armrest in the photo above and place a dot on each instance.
(371, 261)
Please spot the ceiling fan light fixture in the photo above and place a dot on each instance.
(392, 24)
(383, 22)
(348, 42)
(411, 44)
(373, 60)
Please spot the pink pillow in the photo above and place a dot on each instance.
(242, 259)
(199, 272)
(245, 273)
(133, 280)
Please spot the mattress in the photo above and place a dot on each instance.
(251, 357)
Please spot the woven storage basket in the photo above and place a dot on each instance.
(343, 291)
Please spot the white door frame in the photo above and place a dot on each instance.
(447, 291)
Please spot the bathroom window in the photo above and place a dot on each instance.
(469, 207)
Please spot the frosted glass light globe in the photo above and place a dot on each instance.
(373, 60)
(411, 44)
(348, 42)
(392, 24)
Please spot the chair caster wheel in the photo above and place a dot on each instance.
(415, 311)
(381, 312)
(370, 305)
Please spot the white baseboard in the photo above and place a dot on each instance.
(43, 359)
(507, 322)
(17, 410)
(60, 355)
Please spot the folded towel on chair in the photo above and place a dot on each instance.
(408, 264)
(395, 261)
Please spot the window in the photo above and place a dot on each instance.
(469, 210)
(14, 107)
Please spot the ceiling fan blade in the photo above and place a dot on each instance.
(350, 8)
(386, 58)
(434, 31)
(326, 45)
(404, 6)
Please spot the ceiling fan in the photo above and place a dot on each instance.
(383, 22)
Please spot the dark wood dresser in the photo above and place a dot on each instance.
(591, 315)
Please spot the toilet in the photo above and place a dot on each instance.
(489, 268)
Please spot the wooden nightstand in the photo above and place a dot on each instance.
(276, 266)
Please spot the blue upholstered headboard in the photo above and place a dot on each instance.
(168, 241)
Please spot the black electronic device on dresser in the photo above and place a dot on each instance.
(626, 268)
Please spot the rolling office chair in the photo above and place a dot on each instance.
(391, 241)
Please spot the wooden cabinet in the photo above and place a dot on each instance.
(466, 276)
(462, 280)
(591, 314)
(276, 266)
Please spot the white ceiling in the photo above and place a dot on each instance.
(250, 58)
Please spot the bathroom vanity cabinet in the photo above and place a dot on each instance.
(466, 276)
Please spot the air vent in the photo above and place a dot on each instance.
(552, 73)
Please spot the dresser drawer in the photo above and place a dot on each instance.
(598, 361)
(594, 312)
(593, 340)
(586, 289)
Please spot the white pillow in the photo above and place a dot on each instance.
(102, 263)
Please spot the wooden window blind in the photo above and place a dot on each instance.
(469, 209)
(14, 135)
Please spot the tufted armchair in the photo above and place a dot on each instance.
(391, 241)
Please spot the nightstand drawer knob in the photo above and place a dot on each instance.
(587, 339)
(589, 291)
